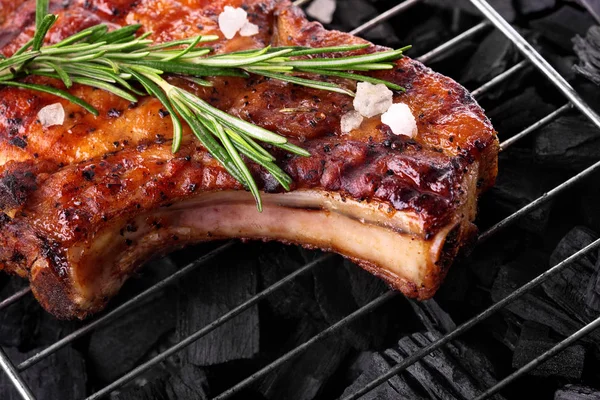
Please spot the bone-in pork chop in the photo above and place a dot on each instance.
(85, 203)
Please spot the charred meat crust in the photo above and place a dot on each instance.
(19, 179)
(60, 187)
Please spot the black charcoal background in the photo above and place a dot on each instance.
(566, 34)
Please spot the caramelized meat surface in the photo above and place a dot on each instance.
(86, 203)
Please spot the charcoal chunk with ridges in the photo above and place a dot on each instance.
(119, 346)
(587, 49)
(354, 13)
(577, 288)
(570, 142)
(207, 294)
(561, 26)
(577, 392)
(188, 383)
(535, 340)
(371, 366)
(353, 289)
(495, 55)
(62, 375)
(535, 305)
(440, 375)
(534, 6)
(304, 377)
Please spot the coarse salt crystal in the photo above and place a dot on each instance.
(233, 20)
(322, 10)
(249, 29)
(351, 120)
(53, 114)
(372, 100)
(400, 120)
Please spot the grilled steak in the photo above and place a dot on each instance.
(86, 203)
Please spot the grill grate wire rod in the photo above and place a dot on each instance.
(492, 18)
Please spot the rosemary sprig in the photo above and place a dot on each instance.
(122, 63)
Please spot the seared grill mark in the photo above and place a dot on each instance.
(15, 188)
(20, 142)
(54, 252)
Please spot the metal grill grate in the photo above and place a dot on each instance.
(532, 58)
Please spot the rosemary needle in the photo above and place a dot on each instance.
(122, 63)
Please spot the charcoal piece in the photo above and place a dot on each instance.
(117, 347)
(577, 392)
(475, 362)
(336, 289)
(59, 376)
(523, 109)
(588, 91)
(25, 324)
(589, 204)
(457, 372)
(372, 366)
(385, 35)
(588, 50)
(534, 340)
(150, 391)
(510, 331)
(488, 258)
(14, 322)
(561, 26)
(592, 6)
(439, 376)
(534, 6)
(296, 301)
(535, 306)
(333, 292)
(495, 55)
(458, 284)
(209, 293)
(189, 383)
(429, 34)
(47, 329)
(360, 363)
(433, 316)
(564, 64)
(364, 286)
(298, 317)
(151, 272)
(577, 288)
(570, 142)
(354, 13)
(421, 374)
(304, 377)
(518, 184)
